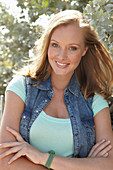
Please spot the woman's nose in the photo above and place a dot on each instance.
(63, 53)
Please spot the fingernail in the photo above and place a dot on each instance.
(106, 155)
(103, 140)
(110, 146)
(7, 127)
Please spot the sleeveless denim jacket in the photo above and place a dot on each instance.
(80, 112)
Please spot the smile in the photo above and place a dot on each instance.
(61, 64)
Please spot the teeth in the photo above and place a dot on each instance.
(61, 64)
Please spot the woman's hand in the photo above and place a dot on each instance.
(100, 149)
(21, 148)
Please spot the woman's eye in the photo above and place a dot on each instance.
(54, 45)
(73, 48)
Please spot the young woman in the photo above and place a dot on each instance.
(56, 115)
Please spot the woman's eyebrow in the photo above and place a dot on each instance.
(54, 40)
(69, 44)
(74, 44)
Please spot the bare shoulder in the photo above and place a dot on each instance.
(14, 107)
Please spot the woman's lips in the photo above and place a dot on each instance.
(61, 65)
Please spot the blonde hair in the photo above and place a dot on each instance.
(95, 71)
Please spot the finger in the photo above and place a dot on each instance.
(104, 151)
(10, 151)
(101, 149)
(15, 133)
(16, 156)
(10, 144)
(95, 146)
(106, 155)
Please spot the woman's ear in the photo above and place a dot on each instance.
(85, 50)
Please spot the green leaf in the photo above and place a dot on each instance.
(45, 3)
(38, 6)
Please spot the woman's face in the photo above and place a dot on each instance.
(66, 49)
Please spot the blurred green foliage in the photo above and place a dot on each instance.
(100, 16)
(17, 36)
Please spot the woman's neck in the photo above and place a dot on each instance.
(60, 82)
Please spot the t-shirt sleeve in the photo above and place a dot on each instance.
(17, 85)
(98, 104)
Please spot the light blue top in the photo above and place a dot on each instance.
(58, 132)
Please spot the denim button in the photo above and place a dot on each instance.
(24, 117)
(76, 134)
(71, 115)
(45, 101)
(67, 103)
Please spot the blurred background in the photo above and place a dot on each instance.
(23, 21)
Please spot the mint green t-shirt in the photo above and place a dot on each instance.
(49, 133)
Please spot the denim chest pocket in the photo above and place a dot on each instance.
(90, 131)
(88, 134)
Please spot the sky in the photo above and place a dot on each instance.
(14, 10)
(11, 3)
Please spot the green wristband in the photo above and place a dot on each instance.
(50, 159)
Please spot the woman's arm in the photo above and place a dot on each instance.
(62, 163)
(14, 107)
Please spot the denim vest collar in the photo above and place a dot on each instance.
(73, 86)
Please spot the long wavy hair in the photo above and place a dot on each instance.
(95, 71)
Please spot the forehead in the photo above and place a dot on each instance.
(70, 32)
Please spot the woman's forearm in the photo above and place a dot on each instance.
(60, 163)
(20, 164)
(63, 163)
